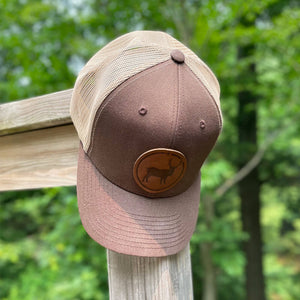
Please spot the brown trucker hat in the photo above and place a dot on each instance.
(147, 113)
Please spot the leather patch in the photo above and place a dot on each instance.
(159, 169)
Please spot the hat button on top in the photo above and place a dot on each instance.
(177, 56)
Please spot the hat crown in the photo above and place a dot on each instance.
(121, 59)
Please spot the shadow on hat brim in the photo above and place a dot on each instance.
(132, 224)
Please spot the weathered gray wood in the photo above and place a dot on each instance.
(39, 158)
(35, 113)
(153, 278)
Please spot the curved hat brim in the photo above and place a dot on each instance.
(132, 224)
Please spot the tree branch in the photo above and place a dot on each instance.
(181, 20)
(245, 170)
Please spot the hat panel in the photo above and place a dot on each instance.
(99, 79)
(121, 133)
(198, 124)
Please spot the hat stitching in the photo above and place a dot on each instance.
(175, 108)
(170, 222)
(177, 233)
(96, 224)
(138, 241)
(178, 106)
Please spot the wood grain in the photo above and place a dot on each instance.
(155, 278)
(35, 113)
(39, 158)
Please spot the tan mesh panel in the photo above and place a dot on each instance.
(119, 60)
(207, 77)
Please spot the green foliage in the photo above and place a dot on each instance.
(44, 251)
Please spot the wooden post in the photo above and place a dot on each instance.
(38, 148)
(137, 278)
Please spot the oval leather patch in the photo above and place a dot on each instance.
(159, 169)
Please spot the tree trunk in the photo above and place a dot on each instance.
(209, 280)
(249, 187)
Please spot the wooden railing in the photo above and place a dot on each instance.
(38, 148)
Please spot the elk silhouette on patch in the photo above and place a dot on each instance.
(163, 174)
(158, 170)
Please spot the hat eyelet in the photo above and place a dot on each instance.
(202, 124)
(142, 111)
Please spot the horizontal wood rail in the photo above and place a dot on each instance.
(35, 113)
(38, 143)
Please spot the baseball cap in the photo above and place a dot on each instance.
(147, 113)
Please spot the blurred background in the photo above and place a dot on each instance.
(247, 241)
